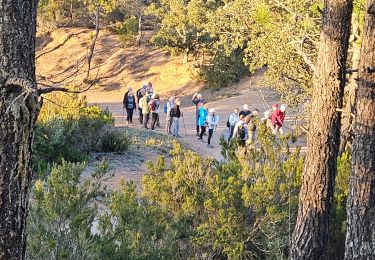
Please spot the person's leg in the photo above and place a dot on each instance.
(197, 122)
(210, 133)
(153, 121)
(146, 118)
(177, 126)
(281, 131)
(157, 120)
(140, 116)
(127, 115)
(231, 130)
(174, 126)
(131, 115)
(203, 130)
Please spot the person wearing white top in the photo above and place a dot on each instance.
(236, 132)
(212, 121)
(233, 119)
(168, 124)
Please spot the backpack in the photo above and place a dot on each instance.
(228, 124)
(165, 109)
(153, 106)
(241, 134)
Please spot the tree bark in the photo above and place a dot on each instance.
(311, 231)
(360, 237)
(19, 107)
(139, 36)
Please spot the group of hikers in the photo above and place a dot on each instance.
(241, 124)
(149, 105)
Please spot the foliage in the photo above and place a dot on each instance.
(113, 140)
(244, 207)
(128, 30)
(135, 229)
(69, 130)
(224, 70)
(62, 210)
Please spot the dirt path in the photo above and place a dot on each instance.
(224, 107)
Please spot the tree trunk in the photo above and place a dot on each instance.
(139, 37)
(360, 237)
(347, 121)
(19, 108)
(311, 232)
(92, 47)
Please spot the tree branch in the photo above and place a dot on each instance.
(50, 89)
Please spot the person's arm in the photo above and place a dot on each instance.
(135, 102)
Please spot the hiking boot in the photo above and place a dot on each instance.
(178, 136)
(210, 146)
(199, 138)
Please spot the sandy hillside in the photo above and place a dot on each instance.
(61, 58)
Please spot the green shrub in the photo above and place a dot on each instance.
(69, 130)
(224, 70)
(141, 230)
(128, 30)
(113, 140)
(244, 207)
(61, 212)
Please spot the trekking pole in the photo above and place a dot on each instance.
(183, 121)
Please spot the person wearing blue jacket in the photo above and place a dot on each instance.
(202, 121)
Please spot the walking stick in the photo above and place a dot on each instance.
(183, 121)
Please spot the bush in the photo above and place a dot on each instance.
(113, 140)
(224, 70)
(128, 30)
(242, 208)
(61, 213)
(69, 130)
(141, 230)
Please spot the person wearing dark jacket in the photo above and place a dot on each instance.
(130, 104)
(175, 115)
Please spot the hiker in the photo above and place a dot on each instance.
(251, 126)
(198, 101)
(241, 131)
(154, 105)
(267, 120)
(167, 109)
(212, 121)
(203, 112)
(175, 115)
(278, 120)
(143, 104)
(233, 119)
(246, 110)
(150, 90)
(130, 105)
(140, 93)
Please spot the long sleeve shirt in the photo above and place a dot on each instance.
(212, 121)
(233, 119)
(278, 118)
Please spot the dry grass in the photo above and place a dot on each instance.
(60, 54)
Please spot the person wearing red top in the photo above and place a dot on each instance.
(278, 117)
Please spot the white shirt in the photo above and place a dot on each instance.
(235, 131)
